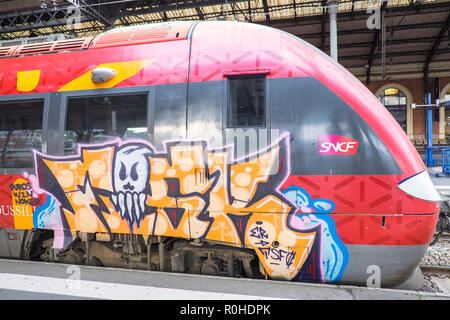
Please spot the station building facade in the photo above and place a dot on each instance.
(398, 95)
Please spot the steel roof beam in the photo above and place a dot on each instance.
(392, 54)
(266, 10)
(365, 30)
(107, 14)
(362, 15)
(234, 6)
(96, 12)
(353, 8)
(388, 42)
(147, 7)
(40, 19)
(200, 14)
(434, 50)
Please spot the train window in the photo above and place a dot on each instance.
(102, 118)
(247, 101)
(20, 132)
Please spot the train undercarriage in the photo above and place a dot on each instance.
(153, 253)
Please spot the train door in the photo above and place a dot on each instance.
(23, 128)
(246, 114)
(247, 128)
(253, 160)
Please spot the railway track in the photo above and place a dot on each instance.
(427, 268)
(446, 236)
(435, 270)
(443, 238)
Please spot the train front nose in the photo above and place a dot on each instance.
(420, 186)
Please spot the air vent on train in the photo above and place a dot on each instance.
(159, 32)
(74, 44)
(34, 48)
(47, 47)
(6, 52)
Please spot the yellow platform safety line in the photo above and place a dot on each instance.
(125, 70)
(28, 80)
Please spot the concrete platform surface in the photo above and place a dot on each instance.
(38, 280)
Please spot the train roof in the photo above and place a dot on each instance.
(141, 34)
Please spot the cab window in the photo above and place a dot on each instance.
(246, 101)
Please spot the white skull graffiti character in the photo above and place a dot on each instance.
(131, 181)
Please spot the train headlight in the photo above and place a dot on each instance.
(420, 186)
(102, 74)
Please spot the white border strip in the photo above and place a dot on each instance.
(104, 290)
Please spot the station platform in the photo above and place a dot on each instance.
(38, 280)
(435, 175)
(441, 183)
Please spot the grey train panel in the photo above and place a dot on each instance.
(396, 263)
(11, 248)
(15, 245)
(170, 113)
(4, 248)
(205, 112)
(55, 145)
(306, 108)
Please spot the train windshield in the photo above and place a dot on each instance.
(103, 118)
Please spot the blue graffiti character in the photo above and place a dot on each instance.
(315, 212)
(48, 215)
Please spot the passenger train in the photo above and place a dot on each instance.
(212, 147)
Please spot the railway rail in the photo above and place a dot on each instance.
(440, 237)
(433, 269)
(435, 265)
(446, 236)
(436, 278)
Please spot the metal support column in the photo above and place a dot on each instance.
(429, 156)
(332, 9)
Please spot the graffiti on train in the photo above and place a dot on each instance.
(189, 190)
(313, 213)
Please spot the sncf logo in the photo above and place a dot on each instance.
(331, 144)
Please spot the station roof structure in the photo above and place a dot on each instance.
(416, 36)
